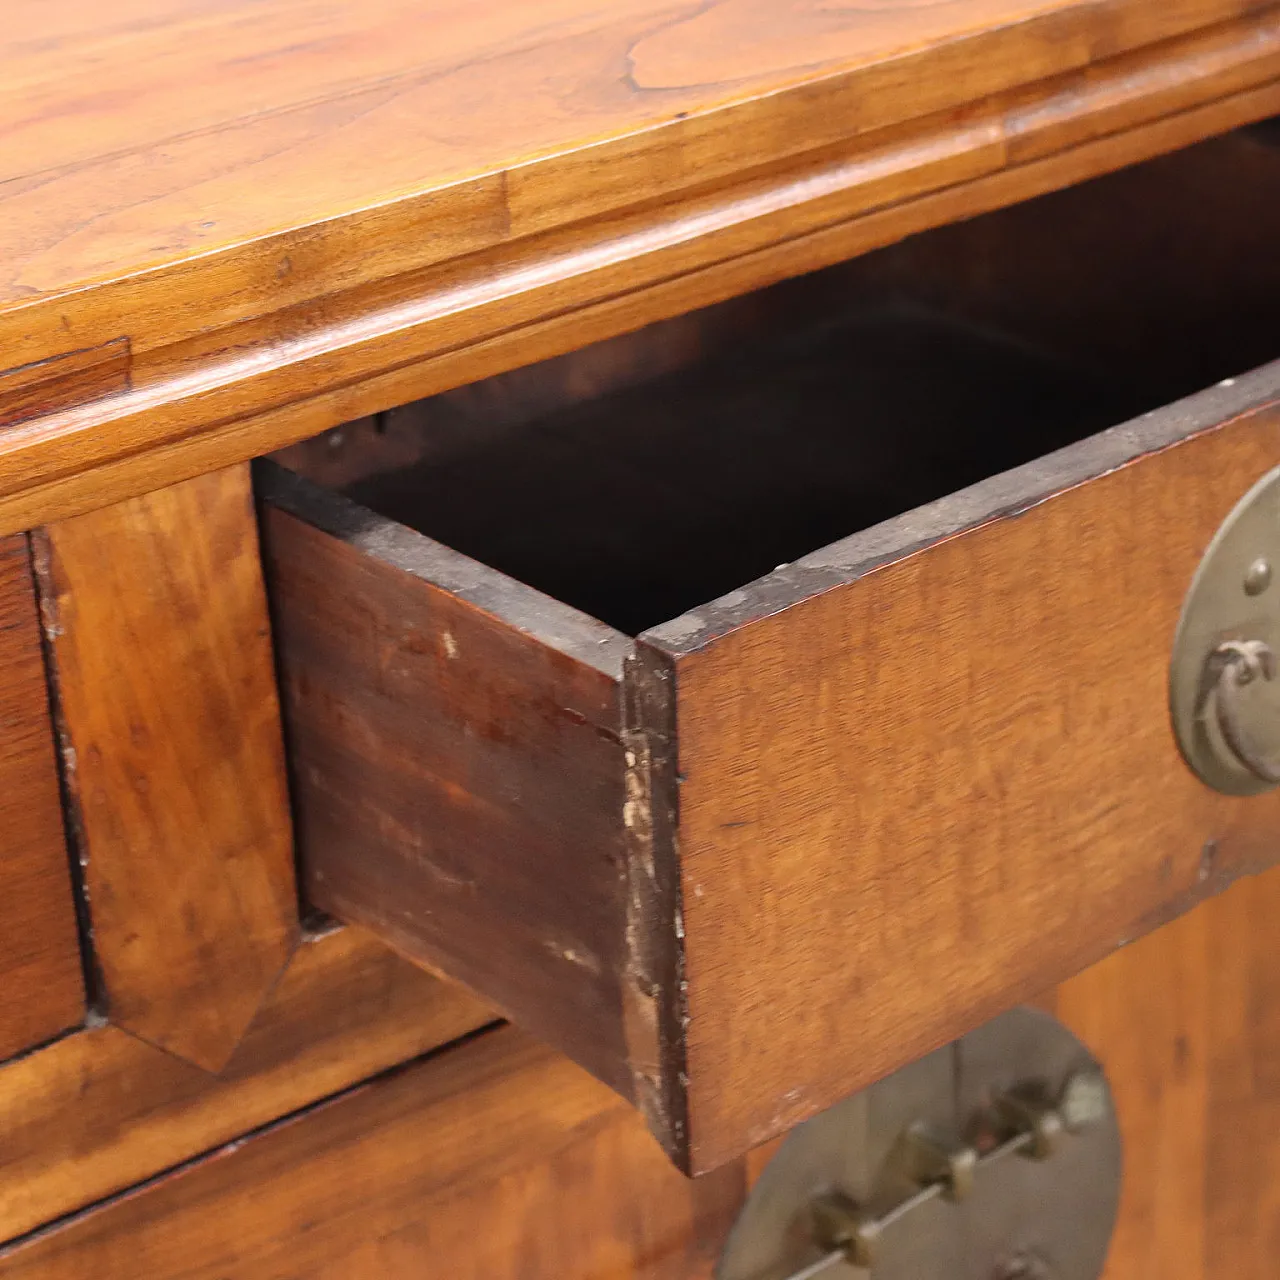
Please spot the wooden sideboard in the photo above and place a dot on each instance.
(579, 583)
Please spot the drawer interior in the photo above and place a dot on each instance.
(643, 851)
(642, 476)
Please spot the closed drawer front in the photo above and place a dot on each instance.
(741, 849)
(41, 987)
(497, 1158)
(531, 1171)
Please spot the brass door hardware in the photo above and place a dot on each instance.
(996, 1158)
(1223, 698)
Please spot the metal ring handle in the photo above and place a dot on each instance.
(1240, 662)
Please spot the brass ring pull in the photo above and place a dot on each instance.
(1240, 663)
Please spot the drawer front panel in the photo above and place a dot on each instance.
(391, 1180)
(41, 986)
(944, 777)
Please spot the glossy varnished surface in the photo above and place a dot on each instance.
(275, 218)
(143, 133)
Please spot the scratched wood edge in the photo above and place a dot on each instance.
(41, 555)
(553, 187)
(63, 999)
(486, 314)
(654, 1004)
(596, 1040)
(652, 1007)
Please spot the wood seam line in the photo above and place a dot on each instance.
(9, 1247)
(94, 985)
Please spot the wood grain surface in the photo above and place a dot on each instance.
(648, 500)
(457, 764)
(171, 729)
(63, 382)
(474, 124)
(929, 769)
(494, 1159)
(41, 987)
(99, 1111)
(379, 271)
(1187, 1022)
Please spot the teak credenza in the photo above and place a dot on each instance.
(582, 586)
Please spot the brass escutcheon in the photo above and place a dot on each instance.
(1223, 700)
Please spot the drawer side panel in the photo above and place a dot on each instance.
(457, 785)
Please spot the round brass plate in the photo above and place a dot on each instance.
(1025, 1219)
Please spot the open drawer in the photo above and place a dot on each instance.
(753, 704)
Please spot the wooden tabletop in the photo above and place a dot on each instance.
(142, 133)
(186, 181)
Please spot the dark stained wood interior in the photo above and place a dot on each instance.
(644, 504)
(636, 479)
(461, 787)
